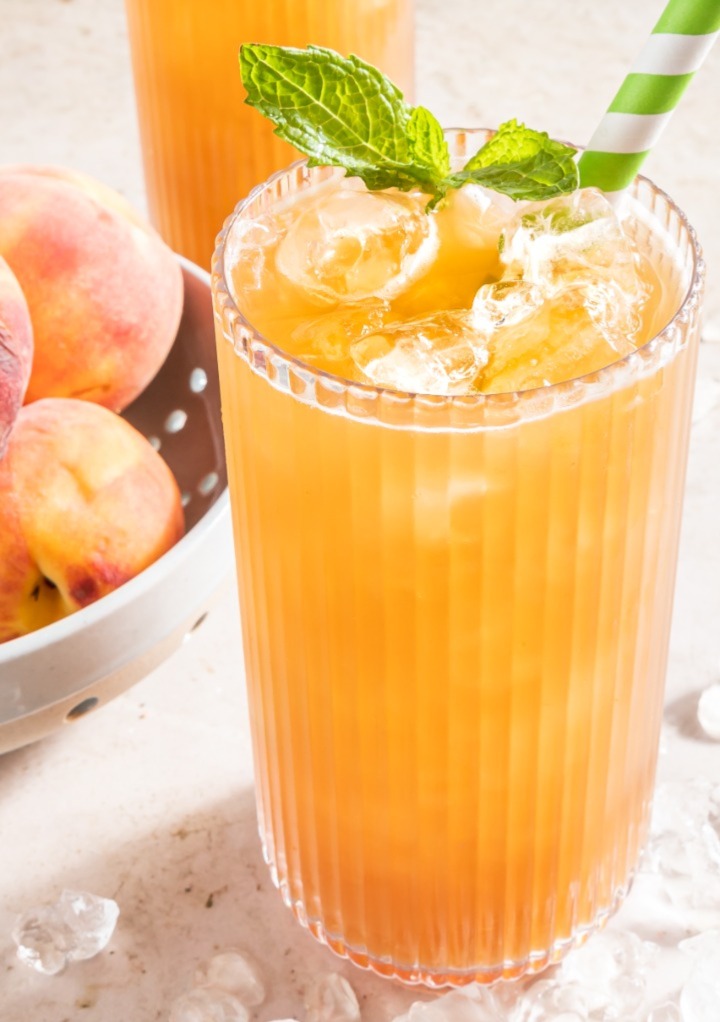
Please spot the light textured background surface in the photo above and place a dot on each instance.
(150, 800)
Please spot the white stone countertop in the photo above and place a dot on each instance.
(150, 800)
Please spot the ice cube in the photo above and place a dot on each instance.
(248, 245)
(609, 972)
(75, 927)
(684, 845)
(608, 956)
(709, 711)
(233, 972)
(42, 940)
(700, 1000)
(547, 1002)
(331, 999)
(576, 242)
(703, 947)
(467, 1005)
(584, 1000)
(349, 245)
(513, 319)
(571, 236)
(680, 807)
(475, 216)
(327, 339)
(552, 341)
(208, 1004)
(438, 354)
(534, 1002)
(505, 303)
(700, 995)
(665, 1012)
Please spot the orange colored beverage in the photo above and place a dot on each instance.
(201, 146)
(456, 612)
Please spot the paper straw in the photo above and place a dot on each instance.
(646, 99)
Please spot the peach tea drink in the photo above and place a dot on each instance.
(201, 147)
(456, 444)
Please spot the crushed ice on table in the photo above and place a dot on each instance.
(708, 711)
(605, 980)
(351, 244)
(75, 927)
(606, 977)
(684, 844)
(208, 1004)
(330, 998)
(437, 354)
(470, 1004)
(234, 973)
(700, 995)
(665, 1012)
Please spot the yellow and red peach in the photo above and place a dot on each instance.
(85, 504)
(16, 347)
(104, 291)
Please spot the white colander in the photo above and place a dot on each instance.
(54, 675)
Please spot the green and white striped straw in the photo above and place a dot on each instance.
(646, 99)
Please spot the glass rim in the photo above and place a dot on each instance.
(227, 306)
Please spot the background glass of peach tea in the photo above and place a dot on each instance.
(455, 614)
(201, 146)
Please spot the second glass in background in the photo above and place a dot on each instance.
(202, 147)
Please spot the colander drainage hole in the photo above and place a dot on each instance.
(175, 421)
(82, 708)
(208, 483)
(198, 381)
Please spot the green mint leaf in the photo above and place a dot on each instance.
(339, 111)
(428, 146)
(345, 113)
(521, 163)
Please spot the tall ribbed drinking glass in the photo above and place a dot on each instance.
(202, 147)
(456, 614)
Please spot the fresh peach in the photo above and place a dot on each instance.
(105, 293)
(85, 504)
(16, 347)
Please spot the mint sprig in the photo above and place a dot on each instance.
(521, 163)
(345, 113)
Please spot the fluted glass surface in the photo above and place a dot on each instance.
(456, 615)
(202, 147)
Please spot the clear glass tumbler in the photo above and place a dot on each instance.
(456, 614)
(202, 147)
